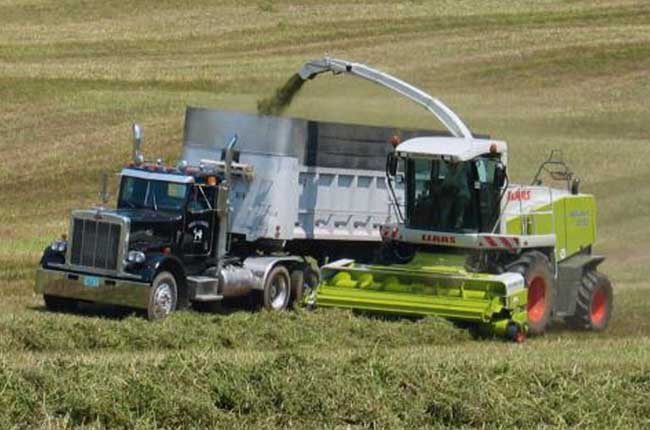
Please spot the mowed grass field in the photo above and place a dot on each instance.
(539, 74)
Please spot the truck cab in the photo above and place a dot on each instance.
(165, 245)
(170, 210)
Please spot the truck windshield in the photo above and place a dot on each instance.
(447, 196)
(138, 193)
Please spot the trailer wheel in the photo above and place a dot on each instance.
(594, 302)
(536, 269)
(59, 304)
(163, 296)
(277, 289)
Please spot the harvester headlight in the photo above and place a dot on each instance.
(137, 257)
(59, 245)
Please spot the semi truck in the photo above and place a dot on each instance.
(254, 205)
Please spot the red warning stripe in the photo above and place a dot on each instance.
(491, 242)
(506, 243)
(510, 243)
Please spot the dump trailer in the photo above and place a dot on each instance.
(468, 245)
(253, 201)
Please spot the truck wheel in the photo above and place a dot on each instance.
(163, 296)
(594, 302)
(277, 289)
(297, 287)
(536, 269)
(59, 304)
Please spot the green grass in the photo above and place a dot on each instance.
(538, 74)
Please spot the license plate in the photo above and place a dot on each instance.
(91, 281)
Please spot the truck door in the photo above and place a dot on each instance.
(199, 222)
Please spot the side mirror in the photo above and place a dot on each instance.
(500, 175)
(391, 164)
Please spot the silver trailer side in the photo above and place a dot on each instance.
(313, 180)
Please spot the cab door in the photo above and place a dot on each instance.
(198, 235)
(488, 192)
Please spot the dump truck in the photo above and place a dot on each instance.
(468, 245)
(254, 203)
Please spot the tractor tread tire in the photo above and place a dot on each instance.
(591, 282)
(537, 262)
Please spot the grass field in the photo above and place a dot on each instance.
(539, 74)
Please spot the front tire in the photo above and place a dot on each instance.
(537, 271)
(163, 297)
(277, 289)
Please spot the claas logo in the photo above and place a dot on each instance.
(519, 195)
(434, 238)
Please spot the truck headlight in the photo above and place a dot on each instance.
(137, 257)
(59, 245)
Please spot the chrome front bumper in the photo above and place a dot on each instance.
(102, 290)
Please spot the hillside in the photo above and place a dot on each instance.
(539, 74)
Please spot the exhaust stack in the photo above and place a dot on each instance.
(138, 158)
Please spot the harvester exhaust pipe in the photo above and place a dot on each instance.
(138, 158)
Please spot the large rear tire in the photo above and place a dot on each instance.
(537, 271)
(594, 303)
(163, 296)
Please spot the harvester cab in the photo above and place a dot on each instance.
(469, 245)
(453, 185)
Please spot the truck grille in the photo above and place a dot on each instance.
(95, 244)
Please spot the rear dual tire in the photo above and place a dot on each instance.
(282, 289)
(303, 283)
(277, 289)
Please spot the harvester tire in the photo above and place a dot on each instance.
(59, 304)
(594, 302)
(537, 271)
